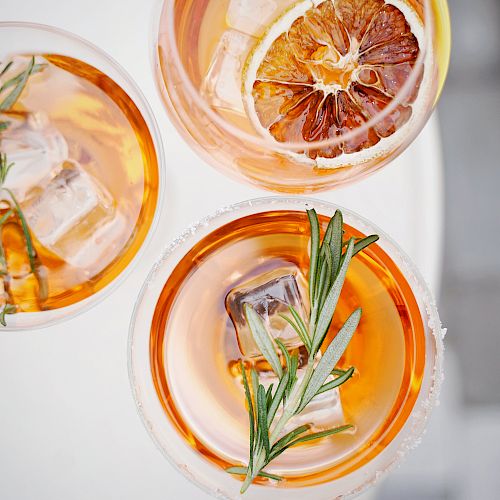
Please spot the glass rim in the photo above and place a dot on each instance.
(69, 312)
(428, 396)
(269, 142)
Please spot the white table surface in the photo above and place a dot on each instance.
(68, 424)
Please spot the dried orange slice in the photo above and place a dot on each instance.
(326, 67)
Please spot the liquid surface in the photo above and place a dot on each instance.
(194, 347)
(92, 207)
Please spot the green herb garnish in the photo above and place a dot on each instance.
(327, 271)
(22, 77)
(18, 83)
(5, 167)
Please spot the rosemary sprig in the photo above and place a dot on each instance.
(35, 266)
(5, 167)
(27, 235)
(7, 309)
(3, 261)
(327, 271)
(18, 83)
(16, 80)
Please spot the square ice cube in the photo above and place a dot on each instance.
(270, 295)
(70, 197)
(252, 16)
(323, 412)
(222, 84)
(36, 149)
(75, 218)
(95, 243)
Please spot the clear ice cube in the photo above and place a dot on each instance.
(75, 218)
(270, 295)
(323, 412)
(64, 203)
(222, 84)
(93, 246)
(36, 149)
(253, 17)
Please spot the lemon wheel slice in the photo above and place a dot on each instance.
(326, 67)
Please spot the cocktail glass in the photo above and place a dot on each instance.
(182, 351)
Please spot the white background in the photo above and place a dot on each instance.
(68, 425)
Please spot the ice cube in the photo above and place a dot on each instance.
(222, 84)
(36, 149)
(253, 17)
(75, 218)
(323, 412)
(270, 295)
(93, 246)
(64, 203)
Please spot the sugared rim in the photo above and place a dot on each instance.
(139, 99)
(268, 142)
(412, 429)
